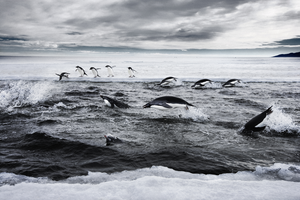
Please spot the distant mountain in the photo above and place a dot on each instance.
(289, 55)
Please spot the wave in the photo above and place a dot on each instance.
(278, 171)
(159, 182)
(23, 93)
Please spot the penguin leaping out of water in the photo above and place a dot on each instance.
(113, 102)
(131, 72)
(64, 74)
(81, 71)
(167, 81)
(231, 82)
(95, 71)
(110, 71)
(253, 124)
(201, 83)
(168, 102)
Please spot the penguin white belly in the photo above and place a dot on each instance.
(204, 83)
(177, 105)
(107, 102)
(81, 72)
(168, 82)
(159, 107)
(110, 72)
(130, 73)
(94, 72)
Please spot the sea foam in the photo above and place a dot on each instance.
(21, 93)
(159, 182)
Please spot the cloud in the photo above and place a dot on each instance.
(156, 24)
(74, 33)
(292, 41)
(12, 38)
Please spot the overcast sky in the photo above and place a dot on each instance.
(90, 25)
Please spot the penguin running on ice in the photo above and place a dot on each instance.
(95, 71)
(110, 71)
(131, 72)
(81, 71)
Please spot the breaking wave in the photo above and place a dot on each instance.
(23, 93)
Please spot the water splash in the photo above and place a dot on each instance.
(279, 171)
(196, 114)
(280, 122)
(23, 93)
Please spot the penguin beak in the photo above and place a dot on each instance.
(147, 105)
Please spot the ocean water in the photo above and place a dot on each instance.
(52, 143)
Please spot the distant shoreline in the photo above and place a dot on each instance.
(297, 54)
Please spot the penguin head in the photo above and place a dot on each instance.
(148, 105)
(92, 68)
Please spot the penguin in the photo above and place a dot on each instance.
(64, 74)
(201, 83)
(81, 71)
(112, 102)
(231, 82)
(95, 72)
(131, 72)
(252, 124)
(110, 139)
(110, 70)
(167, 81)
(167, 102)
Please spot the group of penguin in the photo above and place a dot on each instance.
(95, 72)
(199, 84)
(170, 102)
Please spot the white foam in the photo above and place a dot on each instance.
(19, 93)
(280, 181)
(280, 122)
(193, 113)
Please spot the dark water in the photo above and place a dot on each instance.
(56, 129)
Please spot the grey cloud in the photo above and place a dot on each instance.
(291, 15)
(171, 8)
(181, 34)
(127, 20)
(285, 42)
(74, 33)
(134, 23)
(91, 23)
(292, 41)
(12, 38)
(133, 13)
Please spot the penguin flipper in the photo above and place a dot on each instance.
(121, 105)
(165, 105)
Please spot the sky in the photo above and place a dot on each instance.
(68, 26)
